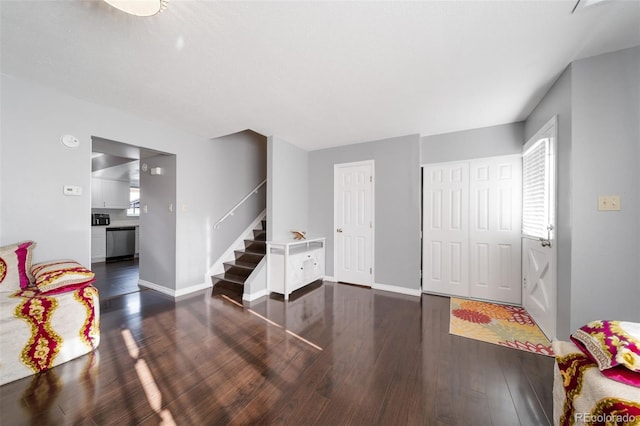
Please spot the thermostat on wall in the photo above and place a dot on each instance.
(72, 190)
(70, 141)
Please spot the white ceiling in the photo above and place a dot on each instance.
(317, 74)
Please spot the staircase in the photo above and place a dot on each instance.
(237, 271)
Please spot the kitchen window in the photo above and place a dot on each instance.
(134, 202)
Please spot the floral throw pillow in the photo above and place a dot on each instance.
(611, 343)
(15, 265)
(61, 275)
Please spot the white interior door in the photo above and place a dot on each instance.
(539, 236)
(353, 219)
(495, 206)
(445, 240)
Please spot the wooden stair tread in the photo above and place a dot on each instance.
(230, 278)
(237, 271)
(249, 254)
(240, 264)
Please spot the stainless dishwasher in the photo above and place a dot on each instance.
(121, 243)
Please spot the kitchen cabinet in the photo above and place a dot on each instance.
(96, 194)
(109, 194)
(98, 244)
(294, 264)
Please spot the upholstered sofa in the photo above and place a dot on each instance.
(49, 312)
(597, 375)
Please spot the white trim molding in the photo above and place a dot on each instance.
(257, 295)
(171, 292)
(395, 289)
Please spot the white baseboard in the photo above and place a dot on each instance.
(164, 290)
(256, 295)
(171, 292)
(229, 255)
(329, 278)
(395, 289)
(192, 289)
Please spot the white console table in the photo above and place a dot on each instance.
(294, 264)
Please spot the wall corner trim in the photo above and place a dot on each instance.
(250, 297)
(395, 289)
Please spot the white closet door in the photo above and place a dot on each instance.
(445, 229)
(495, 206)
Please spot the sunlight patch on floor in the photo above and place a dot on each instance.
(289, 332)
(151, 390)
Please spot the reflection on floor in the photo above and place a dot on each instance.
(337, 354)
(116, 278)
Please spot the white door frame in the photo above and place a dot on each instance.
(373, 216)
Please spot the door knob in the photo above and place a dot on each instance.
(339, 230)
(545, 242)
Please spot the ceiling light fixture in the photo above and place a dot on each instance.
(139, 7)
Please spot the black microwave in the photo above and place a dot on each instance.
(100, 219)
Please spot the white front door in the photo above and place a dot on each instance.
(539, 284)
(445, 241)
(495, 219)
(538, 224)
(353, 219)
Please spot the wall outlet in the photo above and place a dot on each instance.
(608, 203)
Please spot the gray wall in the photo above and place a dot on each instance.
(597, 101)
(158, 222)
(287, 199)
(238, 163)
(212, 175)
(36, 166)
(505, 139)
(557, 101)
(606, 140)
(397, 204)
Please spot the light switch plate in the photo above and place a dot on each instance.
(608, 203)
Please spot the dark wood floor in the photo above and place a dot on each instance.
(334, 355)
(116, 278)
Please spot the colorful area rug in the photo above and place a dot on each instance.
(504, 325)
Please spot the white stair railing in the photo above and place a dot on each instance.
(233, 210)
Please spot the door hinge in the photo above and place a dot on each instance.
(370, 271)
(524, 282)
(371, 225)
(370, 178)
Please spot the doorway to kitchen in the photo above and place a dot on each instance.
(118, 216)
